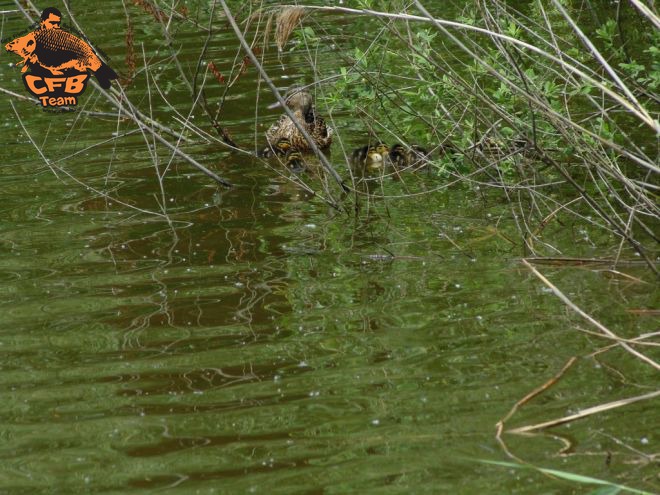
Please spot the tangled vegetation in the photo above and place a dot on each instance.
(559, 117)
(550, 107)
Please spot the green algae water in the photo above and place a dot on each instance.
(260, 341)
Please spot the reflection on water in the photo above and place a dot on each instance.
(262, 342)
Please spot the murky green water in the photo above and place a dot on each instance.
(263, 342)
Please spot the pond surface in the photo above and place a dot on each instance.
(262, 342)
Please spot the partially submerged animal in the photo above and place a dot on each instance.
(372, 157)
(398, 156)
(294, 161)
(403, 157)
(57, 51)
(286, 154)
(280, 148)
(301, 104)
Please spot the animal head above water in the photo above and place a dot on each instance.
(297, 98)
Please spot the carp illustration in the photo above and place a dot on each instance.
(57, 50)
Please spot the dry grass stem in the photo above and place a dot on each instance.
(591, 320)
(287, 20)
(532, 394)
(586, 412)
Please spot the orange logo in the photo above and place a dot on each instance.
(58, 61)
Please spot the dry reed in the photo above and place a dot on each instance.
(288, 19)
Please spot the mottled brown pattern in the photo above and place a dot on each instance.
(301, 104)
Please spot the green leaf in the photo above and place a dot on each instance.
(633, 68)
(607, 31)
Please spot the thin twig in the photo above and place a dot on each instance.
(584, 315)
(53, 166)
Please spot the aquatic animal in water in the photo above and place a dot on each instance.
(301, 104)
(371, 156)
(280, 148)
